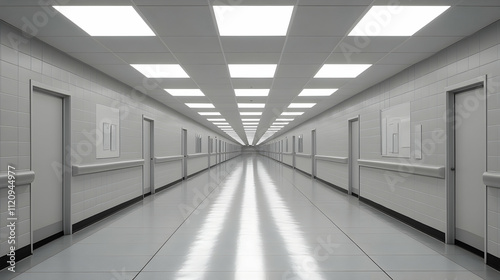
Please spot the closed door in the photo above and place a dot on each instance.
(47, 157)
(148, 156)
(184, 152)
(353, 157)
(470, 159)
(313, 152)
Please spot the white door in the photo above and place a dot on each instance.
(47, 157)
(313, 153)
(147, 155)
(184, 152)
(470, 159)
(354, 156)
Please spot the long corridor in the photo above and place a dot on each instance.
(250, 218)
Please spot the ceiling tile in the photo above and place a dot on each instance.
(427, 44)
(147, 57)
(359, 44)
(253, 44)
(324, 20)
(403, 58)
(75, 44)
(133, 44)
(180, 20)
(354, 57)
(307, 44)
(249, 58)
(199, 44)
(199, 58)
(98, 58)
(304, 58)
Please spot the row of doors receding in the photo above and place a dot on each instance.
(47, 144)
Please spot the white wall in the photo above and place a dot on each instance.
(418, 197)
(92, 193)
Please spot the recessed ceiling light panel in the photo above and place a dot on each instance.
(341, 70)
(209, 113)
(317, 91)
(238, 20)
(185, 92)
(250, 113)
(251, 92)
(252, 70)
(251, 105)
(292, 113)
(161, 70)
(107, 20)
(396, 20)
(200, 105)
(301, 105)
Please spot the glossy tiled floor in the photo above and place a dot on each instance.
(250, 218)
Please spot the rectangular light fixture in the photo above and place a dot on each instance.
(251, 92)
(200, 105)
(252, 70)
(161, 70)
(238, 20)
(284, 120)
(249, 126)
(396, 20)
(107, 20)
(292, 113)
(221, 123)
(251, 113)
(250, 123)
(216, 120)
(209, 113)
(277, 126)
(341, 70)
(251, 105)
(301, 105)
(184, 92)
(317, 91)
(250, 120)
(280, 123)
(224, 126)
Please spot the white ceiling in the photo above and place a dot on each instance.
(187, 34)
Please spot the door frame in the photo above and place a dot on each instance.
(152, 154)
(293, 151)
(313, 153)
(479, 82)
(66, 164)
(349, 122)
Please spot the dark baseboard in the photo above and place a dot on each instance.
(439, 235)
(104, 214)
(168, 185)
(147, 194)
(47, 240)
(332, 185)
(493, 261)
(21, 253)
(303, 172)
(355, 194)
(469, 248)
(196, 173)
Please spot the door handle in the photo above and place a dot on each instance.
(452, 169)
